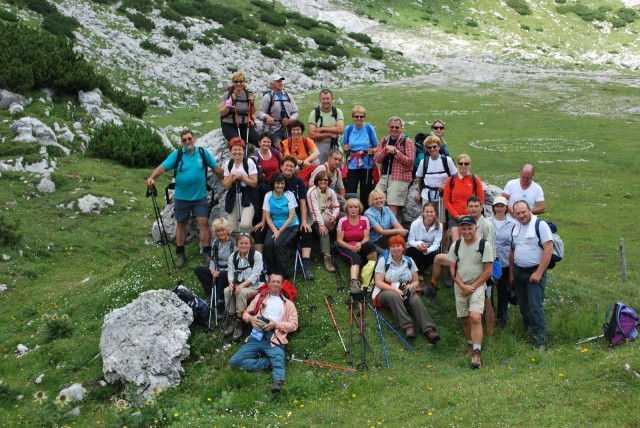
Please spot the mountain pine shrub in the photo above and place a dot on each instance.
(132, 144)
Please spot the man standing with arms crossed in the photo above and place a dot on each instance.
(528, 261)
(326, 123)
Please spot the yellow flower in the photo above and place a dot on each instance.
(39, 397)
(301, 406)
(353, 395)
(584, 350)
(561, 375)
(175, 415)
(429, 414)
(209, 399)
(62, 400)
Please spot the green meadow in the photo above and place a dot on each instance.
(580, 133)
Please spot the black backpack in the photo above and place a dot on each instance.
(198, 306)
(456, 248)
(178, 167)
(285, 98)
(250, 259)
(445, 166)
(452, 182)
(388, 163)
(245, 166)
(334, 114)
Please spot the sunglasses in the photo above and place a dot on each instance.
(432, 147)
(185, 140)
(238, 81)
(395, 127)
(464, 163)
(323, 179)
(439, 128)
(358, 117)
(243, 234)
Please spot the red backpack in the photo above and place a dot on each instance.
(288, 291)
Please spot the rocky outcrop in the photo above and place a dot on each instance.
(143, 343)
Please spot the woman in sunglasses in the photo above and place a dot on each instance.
(437, 130)
(323, 214)
(456, 191)
(236, 111)
(432, 174)
(359, 142)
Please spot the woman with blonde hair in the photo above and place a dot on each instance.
(237, 109)
(359, 142)
(382, 220)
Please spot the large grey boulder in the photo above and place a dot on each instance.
(7, 98)
(144, 343)
(93, 204)
(90, 97)
(31, 130)
(46, 185)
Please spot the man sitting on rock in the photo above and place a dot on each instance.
(272, 317)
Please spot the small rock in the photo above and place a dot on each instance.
(39, 379)
(75, 411)
(21, 349)
(84, 281)
(6, 257)
(75, 392)
(3, 288)
(15, 108)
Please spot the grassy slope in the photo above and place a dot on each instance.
(590, 193)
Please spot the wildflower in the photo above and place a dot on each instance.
(175, 415)
(156, 390)
(301, 406)
(45, 316)
(584, 350)
(65, 317)
(39, 397)
(353, 395)
(429, 414)
(62, 400)
(122, 404)
(561, 375)
(54, 316)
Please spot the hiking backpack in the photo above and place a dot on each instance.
(272, 100)
(452, 182)
(245, 166)
(558, 245)
(178, 168)
(306, 173)
(622, 325)
(385, 255)
(232, 111)
(250, 259)
(445, 166)
(387, 163)
(419, 152)
(334, 114)
(288, 291)
(198, 306)
(457, 248)
(305, 144)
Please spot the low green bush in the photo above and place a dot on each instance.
(289, 43)
(308, 71)
(185, 46)
(306, 22)
(274, 19)
(265, 5)
(470, 22)
(141, 22)
(143, 6)
(152, 47)
(133, 145)
(175, 33)
(359, 37)
(561, 1)
(43, 7)
(308, 63)
(9, 232)
(339, 51)
(376, 52)
(323, 39)
(520, 6)
(60, 25)
(327, 65)
(525, 27)
(171, 15)
(57, 329)
(270, 52)
(628, 14)
(7, 15)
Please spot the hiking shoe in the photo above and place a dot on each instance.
(432, 336)
(306, 267)
(430, 291)
(206, 259)
(448, 282)
(181, 260)
(220, 308)
(328, 264)
(476, 360)
(237, 332)
(276, 388)
(231, 327)
(356, 286)
(410, 333)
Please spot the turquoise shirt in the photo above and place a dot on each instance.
(191, 183)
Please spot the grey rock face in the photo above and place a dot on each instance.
(7, 98)
(144, 343)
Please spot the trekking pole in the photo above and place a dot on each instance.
(315, 363)
(335, 324)
(384, 346)
(164, 239)
(350, 329)
(239, 203)
(298, 260)
(363, 362)
(214, 291)
(392, 329)
(589, 339)
(334, 262)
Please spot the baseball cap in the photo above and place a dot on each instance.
(467, 220)
(500, 200)
(276, 76)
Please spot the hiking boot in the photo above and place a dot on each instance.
(539, 348)
(206, 259)
(448, 282)
(220, 312)
(432, 336)
(328, 264)
(410, 333)
(356, 286)
(430, 291)
(237, 332)
(231, 327)
(306, 267)
(181, 260)
(476, 360)
(276, 388)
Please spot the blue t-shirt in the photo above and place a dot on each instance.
(358, 140)
(191, 184)
(384, 220)
(279, 208)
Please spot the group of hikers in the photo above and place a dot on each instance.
(344, 188)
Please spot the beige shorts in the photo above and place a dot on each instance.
(398, 190)
(472, 303)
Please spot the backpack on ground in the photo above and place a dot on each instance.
(622, 324)
(558, 245)
(198, 306)
(367, 275)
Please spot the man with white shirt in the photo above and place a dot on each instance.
(524, 188)
(528, 261)
(272, 316)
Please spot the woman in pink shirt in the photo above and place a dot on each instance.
(352, 238)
